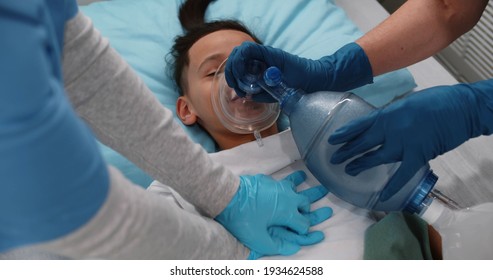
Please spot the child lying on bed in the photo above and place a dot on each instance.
(197, 56)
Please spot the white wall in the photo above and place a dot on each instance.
(470, 57)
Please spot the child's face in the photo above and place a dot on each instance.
(206, 55)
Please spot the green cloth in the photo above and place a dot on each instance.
(398, 236)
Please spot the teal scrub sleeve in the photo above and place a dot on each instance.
(53, 176)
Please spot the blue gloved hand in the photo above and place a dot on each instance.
(262, 203)
(415, 130)
(315, 217)
(346, 69)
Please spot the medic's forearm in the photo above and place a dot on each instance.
(418, 30)
(136, 224)
(126, 116)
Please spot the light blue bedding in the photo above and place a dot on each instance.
(142, 31)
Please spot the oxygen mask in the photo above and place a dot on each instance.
(241, 114)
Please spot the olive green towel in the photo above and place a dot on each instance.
(398, 236)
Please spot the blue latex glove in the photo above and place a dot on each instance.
(315, 217)
(263, 203)
(415, 130)
(346, 69)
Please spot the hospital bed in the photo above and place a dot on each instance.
(465, 173)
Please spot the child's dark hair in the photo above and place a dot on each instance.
(192, 19)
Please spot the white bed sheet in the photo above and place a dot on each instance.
(279, 157)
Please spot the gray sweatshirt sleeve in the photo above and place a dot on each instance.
(126, 116)
(136, 224)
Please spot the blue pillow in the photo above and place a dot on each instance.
(310, 29)
(143, 31)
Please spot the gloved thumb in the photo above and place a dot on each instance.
(254, 255)
(398, 180)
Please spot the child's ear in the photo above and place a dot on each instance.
(185, 112)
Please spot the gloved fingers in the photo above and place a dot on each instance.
(303, 203)
(315, 193)
(263, 97)
(352, 129)
(288, 248)
(251, 81)
(294, 219)
(239, 60)
(286, 235)
(231, 64)
(271, 244)
(403, 174)
(291, 203)
(282, 241)
(319, 215)
(311, 238)
(268, 55)
(254, 255)
(363, 143)
(368, 160)
(239, 65)
(295, 178)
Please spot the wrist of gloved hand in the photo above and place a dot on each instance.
(348, 68)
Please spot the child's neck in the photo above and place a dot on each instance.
(233, 140)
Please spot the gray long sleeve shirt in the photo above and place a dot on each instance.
(124, 114)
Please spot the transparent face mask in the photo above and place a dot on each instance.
(240, 114)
